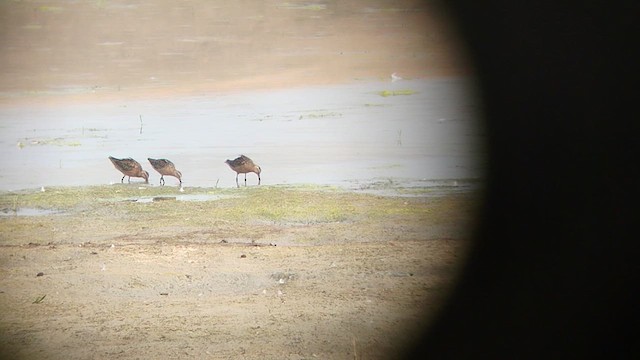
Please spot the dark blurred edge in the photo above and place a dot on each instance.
(553, 272)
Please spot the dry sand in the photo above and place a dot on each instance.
(122, 280)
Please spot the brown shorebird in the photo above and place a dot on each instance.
(244, 165)
(165, 167)
(129, 167)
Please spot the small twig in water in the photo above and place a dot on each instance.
(140, 124)
(217, 182)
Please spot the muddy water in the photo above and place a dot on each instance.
(62, 47)
(339, 134)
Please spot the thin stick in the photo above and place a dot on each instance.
(140, 124)
(355, 349)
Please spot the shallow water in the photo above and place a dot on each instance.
(27, 212)
(193, 197)
(345, 135)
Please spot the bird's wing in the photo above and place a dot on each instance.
(129, 164)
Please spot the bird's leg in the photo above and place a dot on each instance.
(245, 179)
(238, 185)
(129, 179)
(161, 180)
(258, 179)
(122, 180)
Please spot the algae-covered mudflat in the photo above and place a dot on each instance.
(137, 212)
(132, 270)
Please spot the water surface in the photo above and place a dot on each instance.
(337, 135)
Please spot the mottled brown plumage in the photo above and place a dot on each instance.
(130, 168)
(165, 167)
(244, 165)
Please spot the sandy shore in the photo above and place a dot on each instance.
(259, 273)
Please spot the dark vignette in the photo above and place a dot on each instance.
(553, 272)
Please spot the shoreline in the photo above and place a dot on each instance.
(383, 188)
(104, 95)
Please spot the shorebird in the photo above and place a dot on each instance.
(243, 165)
(165, 167)
(129, 167)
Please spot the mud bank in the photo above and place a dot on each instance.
(270, 272)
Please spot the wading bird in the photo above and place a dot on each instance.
(244, 165)
(129, 167)
(165, 167)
